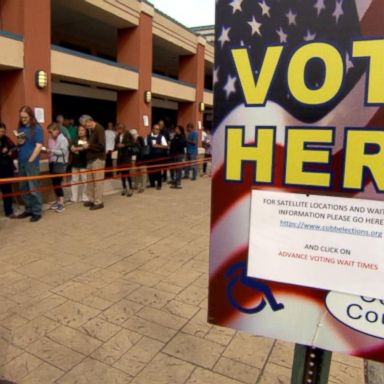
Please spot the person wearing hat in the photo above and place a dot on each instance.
(95, 162)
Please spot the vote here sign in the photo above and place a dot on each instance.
(298, 172)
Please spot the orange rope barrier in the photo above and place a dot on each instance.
(11, 180)
(140, 170)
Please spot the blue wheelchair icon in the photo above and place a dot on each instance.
(238, 274)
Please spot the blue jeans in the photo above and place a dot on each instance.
(191, 157)
(32, 199)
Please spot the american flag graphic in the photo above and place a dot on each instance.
(257, 24)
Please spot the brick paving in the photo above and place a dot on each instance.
(120, 296)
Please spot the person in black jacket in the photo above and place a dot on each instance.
(139, 177)
(177, 153)
(8, 152)
(125, 146)
(157, 154)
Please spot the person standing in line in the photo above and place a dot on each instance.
(79, 164)
(140, 176)
(177, 152)
(95, 162)
(125, 144)
(110, 137)
(164, 131)
(69, 123)
(60, 120)
(30, 140)
(58, 161)
(192, 151)
(157, 147)
(206, 143)
(8, 152)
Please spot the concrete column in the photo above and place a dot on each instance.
(31, 19)
(135, 48)
(191, 70)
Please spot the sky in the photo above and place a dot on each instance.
(192, 13)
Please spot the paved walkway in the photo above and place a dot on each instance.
(120, 295)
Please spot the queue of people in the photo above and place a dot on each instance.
(86, 151)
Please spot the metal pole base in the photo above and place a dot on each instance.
(310, 365)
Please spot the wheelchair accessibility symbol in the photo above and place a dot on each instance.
(238, 275)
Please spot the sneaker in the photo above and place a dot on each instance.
(54, 206)
(123, 192)
(96, 206)
(24, 215)
(60, 208)
(88, 204)
(11, 216)
(35, 218)
(129, 193)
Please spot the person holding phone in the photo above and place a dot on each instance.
(58, 163)
(95, 147)
(30, 142)
(79, 164)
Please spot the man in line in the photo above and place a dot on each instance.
(95, 161)
(192, 151)
(157, 147)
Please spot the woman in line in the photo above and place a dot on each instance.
(30, 138)
(79, 164)
(8, 152)
(58, 162)
(125, 145)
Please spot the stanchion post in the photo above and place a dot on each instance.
(310, 365)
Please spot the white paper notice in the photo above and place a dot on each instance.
(40, 115)
(323, 242)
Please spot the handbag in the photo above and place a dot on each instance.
(59, 167)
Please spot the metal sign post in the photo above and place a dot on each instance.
(310, 365)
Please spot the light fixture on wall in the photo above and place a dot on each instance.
(147, 96)
(41, 79)
(201, 107)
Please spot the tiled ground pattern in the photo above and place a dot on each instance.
(119, 296)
